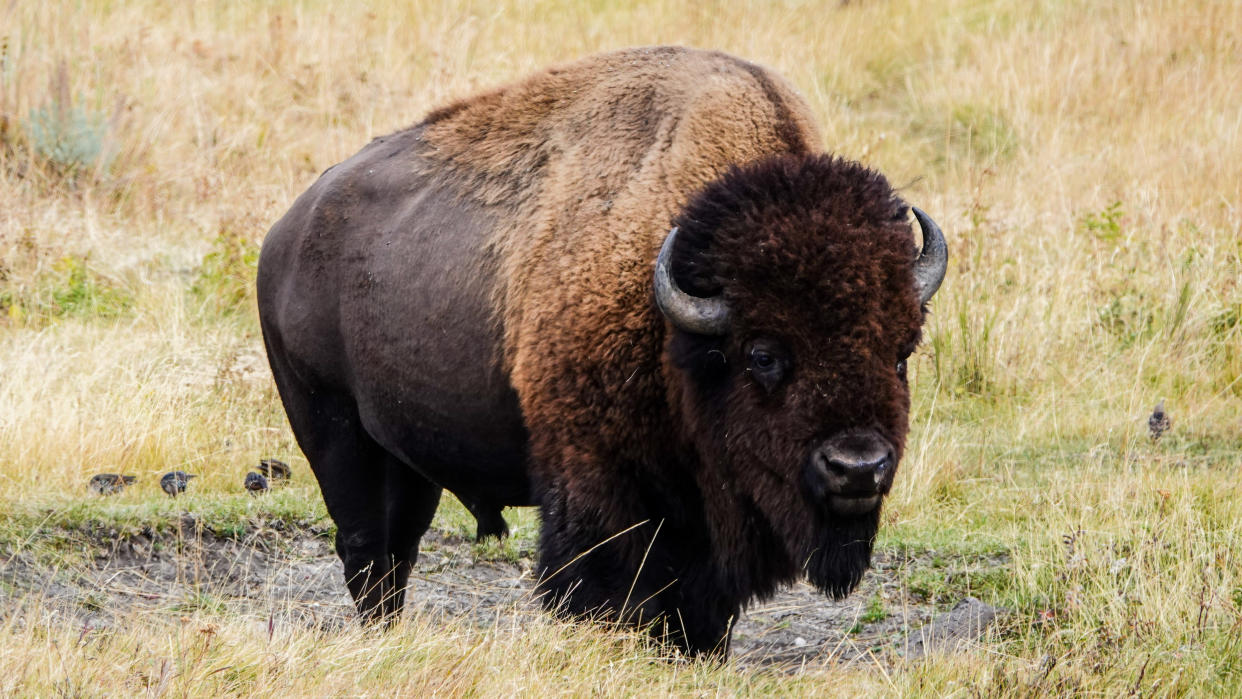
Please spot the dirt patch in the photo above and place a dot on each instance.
(287, 576)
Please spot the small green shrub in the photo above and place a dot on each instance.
(983, 132)
(225, 278)
(1127, 317)
(83, 292)
(963, 360)
(871, 614)
(68, 138)
(874, 611)
(945, 584)
(1104, 225)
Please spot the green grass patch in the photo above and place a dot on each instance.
(947, 584)
(224, 281)
(62, 530)
(67, 531)
(70, 288)
(453, 519)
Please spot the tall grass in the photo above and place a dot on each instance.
(1081, 157)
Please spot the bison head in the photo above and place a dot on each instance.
(797, 295)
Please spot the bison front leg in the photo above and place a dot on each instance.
(645, 573)
(587, 567)
(702, 619)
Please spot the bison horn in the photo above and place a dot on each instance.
(933, 259)
(694, 314)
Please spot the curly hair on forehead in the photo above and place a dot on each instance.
(780, 207)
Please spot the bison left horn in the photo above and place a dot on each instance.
(694, 314)
(933, 259)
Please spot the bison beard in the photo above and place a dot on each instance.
(491, 303)
(842, 553)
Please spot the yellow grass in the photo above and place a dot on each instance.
(1082, 157)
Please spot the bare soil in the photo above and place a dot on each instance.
(292, 576)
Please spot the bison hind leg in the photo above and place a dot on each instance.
(490, 522)
(410, 504)
(378, 544)
(380, 505)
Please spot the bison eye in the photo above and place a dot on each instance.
(901, 369)
(762, 360)
(767, 363)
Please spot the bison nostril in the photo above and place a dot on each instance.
(821, 463)
(860, 473)
(852, 472)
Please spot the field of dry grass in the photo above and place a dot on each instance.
(1082, 158)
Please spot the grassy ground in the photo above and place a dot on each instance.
(1081, 157)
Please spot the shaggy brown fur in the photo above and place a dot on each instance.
(468, 304)
(590, 162)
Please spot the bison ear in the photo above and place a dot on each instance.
(693, 314)
(933, 259)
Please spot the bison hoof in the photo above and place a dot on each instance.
(491, 525)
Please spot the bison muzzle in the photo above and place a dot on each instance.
(629, 291)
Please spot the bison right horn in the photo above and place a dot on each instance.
(933, 259)
(694, 314)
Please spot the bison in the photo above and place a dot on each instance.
(630, 291)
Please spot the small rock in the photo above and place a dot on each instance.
(953, 630)
(799, 641)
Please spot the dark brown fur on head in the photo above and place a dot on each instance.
(814, 256)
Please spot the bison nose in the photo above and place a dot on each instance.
(852, 467)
